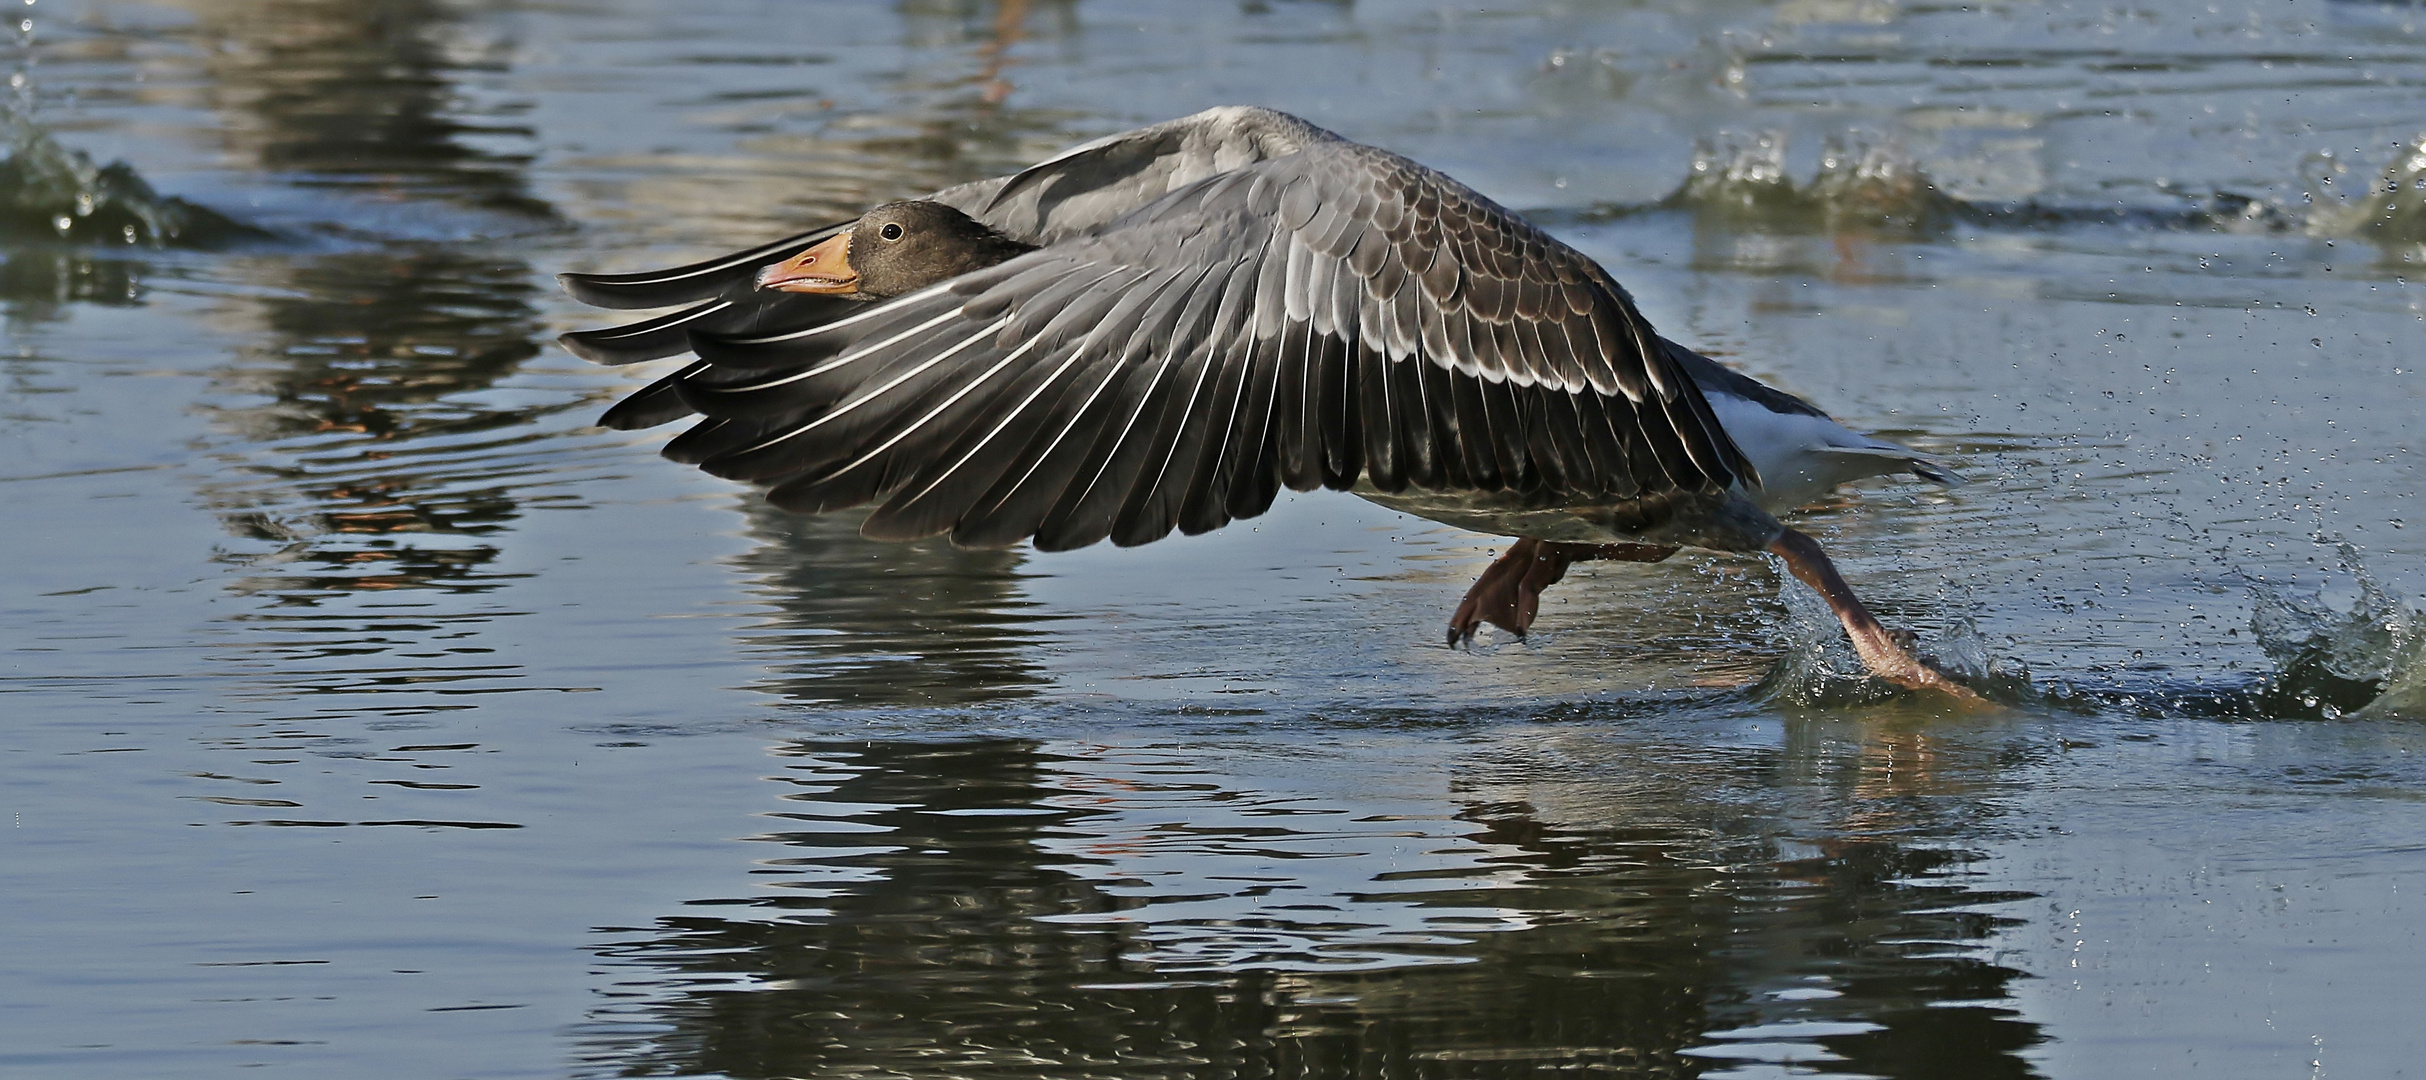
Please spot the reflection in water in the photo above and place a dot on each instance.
(1011, 908)
(369, 449)
(872, 625)
(943, 119)
(38, 283)
(366, 95)
(359, 426)
(1010, 24)
(990, 31)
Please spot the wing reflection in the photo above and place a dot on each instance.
(1021, 908)
(863, 624)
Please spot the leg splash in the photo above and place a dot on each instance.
(1887, 653)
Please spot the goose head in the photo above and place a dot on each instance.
(897, 248)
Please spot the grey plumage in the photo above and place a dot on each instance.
(1218, 306)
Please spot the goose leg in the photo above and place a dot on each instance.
(1508, 594)
(1886, 653)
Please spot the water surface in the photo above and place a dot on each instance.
(370, 712)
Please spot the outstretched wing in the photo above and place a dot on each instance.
(1307, 316)
(1078, 189)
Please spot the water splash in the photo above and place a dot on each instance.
(2361, 653)
(1865, 181)
(1868, 182)
(2368, 659)
(1821, 670)
(1741, 172)
(48, 191)
(2350, 646)
(2391, 209)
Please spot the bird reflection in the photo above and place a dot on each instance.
(862, 624)
(905, 929)
(990, 908)
(1010, 24)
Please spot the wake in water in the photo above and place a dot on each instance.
(2349, 647)
(1869, 182)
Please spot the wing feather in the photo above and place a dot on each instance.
(1204, 503)
(1219, 306)
(692, 282)
(657, 403)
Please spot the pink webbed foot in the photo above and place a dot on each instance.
(1508, 594)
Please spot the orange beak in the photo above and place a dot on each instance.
(825, 268)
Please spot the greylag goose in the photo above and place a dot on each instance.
(1159, 329)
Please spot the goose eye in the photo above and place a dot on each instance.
(891, 231)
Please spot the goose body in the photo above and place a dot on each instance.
(1157, 330)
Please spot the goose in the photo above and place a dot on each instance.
(1157, 330)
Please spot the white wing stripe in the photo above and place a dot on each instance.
(1128, 427)
(846, 408)
(641, 328)
(733, 260)
(947, 403)
(838, 324)
(1295, 302)
(852, 356)
(1006, 421)
(1194, 392)
(1112, 370)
